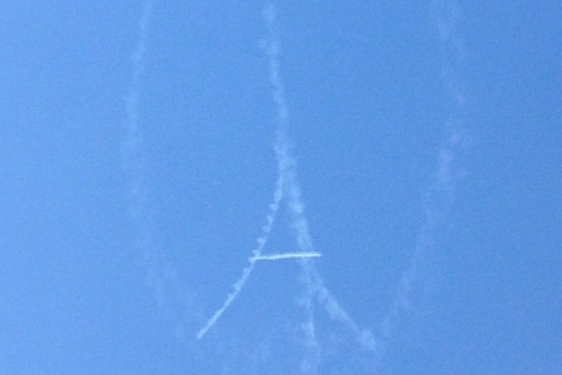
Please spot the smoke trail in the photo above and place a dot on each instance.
(262, 240)
(288, 256)
(158, 271)
(132, 144)
(287, 187)
(314, 285)
(439, 198)
(138, 62)
(282, 151)
(287, 169)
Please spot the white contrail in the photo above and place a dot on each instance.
(287, 256)
(440, 197)
(315, 288)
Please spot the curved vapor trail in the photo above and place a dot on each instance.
(439, 198)
(314, 285)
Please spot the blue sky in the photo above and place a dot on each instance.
(428, 165)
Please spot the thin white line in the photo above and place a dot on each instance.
(287, 256)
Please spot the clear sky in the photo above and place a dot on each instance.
(149, 148)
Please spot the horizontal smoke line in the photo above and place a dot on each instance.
(288, 256)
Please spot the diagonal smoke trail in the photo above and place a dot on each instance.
(314, 285)
(440, 196)
(262, 240)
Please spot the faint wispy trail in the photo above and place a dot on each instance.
(138, 59)
(158, 270)
(440, 197)
(315, 290)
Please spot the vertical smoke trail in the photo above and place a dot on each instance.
(287, 168)
(283, 161)
(287, 187)
(158, 271)
(314, 286)
(439, 198)
(138, 62)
